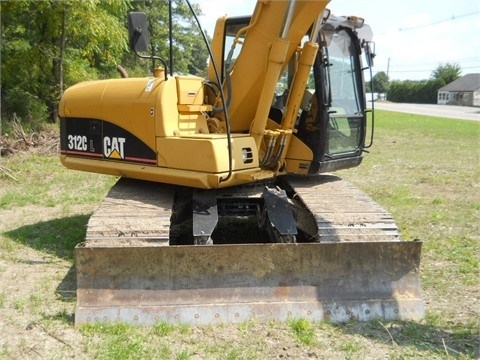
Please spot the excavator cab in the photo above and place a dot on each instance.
(333, 117)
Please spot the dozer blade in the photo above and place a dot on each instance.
(336, 282)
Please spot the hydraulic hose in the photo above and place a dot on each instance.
(222, 95)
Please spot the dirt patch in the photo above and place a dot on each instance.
(44, 142)
(37, 292)
(29, 310)
(20, 143)
(37, 288)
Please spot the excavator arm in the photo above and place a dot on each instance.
(267, 44)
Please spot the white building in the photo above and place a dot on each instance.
(464, 91)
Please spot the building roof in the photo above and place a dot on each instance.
(469, 82)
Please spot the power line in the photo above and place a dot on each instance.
(416, 68)
(393, 70)
(470, 67)
(452, 18)
(410, 71)
(432, 62)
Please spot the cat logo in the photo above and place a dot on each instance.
(113, 147)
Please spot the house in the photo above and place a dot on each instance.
(464, 91)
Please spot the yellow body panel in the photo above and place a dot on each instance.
(189, 90)
(207, 153)
(129, 103)
(299, 157)
(196, 179)
(74, 100)
(169, 118)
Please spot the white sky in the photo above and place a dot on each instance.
(412, 37)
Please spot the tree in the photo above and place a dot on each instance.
(447, 73)
(48, 45)
(380, 82)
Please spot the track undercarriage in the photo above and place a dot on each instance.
(317, 248)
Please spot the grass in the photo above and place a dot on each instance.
(43, 181)
(351, 347)
(303, 330)
(3, 296)
(120, 341)
(57, 237)
(424, 170)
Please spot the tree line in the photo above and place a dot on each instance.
(420, 91)
(50, 45)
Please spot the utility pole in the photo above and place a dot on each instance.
(388, 67)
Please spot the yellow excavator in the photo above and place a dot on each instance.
(226, 209)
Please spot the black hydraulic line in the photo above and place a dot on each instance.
(372, 110)
(222, 95)
(136, 34)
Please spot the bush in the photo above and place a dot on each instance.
(420, 92)
(19, 104)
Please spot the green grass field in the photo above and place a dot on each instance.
(424, 170)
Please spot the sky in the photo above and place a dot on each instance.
(412, 37)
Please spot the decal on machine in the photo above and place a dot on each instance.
(77, 142)
(150, 84)
(101, 139)
(113, 147)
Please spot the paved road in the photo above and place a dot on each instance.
(447, 111)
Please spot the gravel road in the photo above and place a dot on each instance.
(447, 111)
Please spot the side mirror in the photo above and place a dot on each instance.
(138, 31)
(369, 52)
